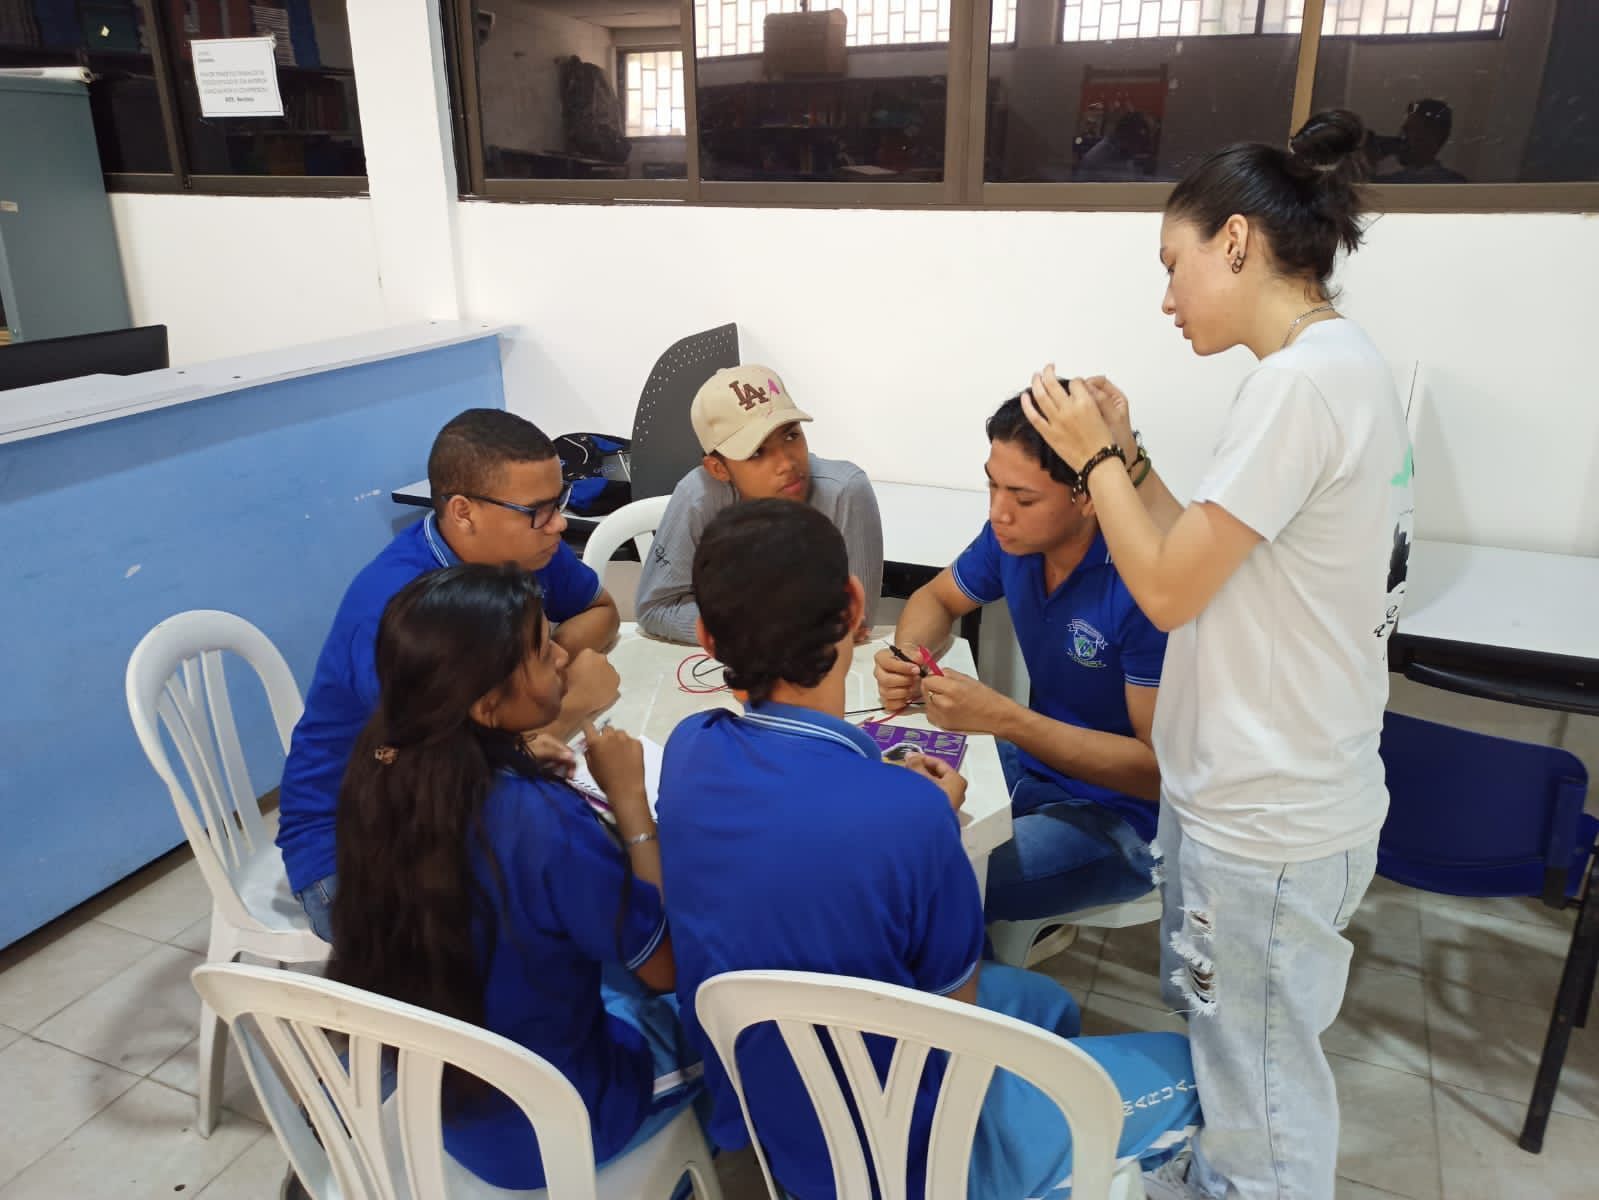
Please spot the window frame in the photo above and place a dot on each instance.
(943, 194)
(621, 74)
(461, 32)
(965, 132)
(180, 180)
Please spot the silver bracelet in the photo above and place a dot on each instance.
(639, 839)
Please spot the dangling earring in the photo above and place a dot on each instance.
(1238, 262)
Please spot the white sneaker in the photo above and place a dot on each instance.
(1169, 1181)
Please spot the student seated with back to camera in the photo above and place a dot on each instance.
(755, 448)
(497, 498)
(788, 844)
(1084, 785)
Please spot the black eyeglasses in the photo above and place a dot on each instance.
(539, 513)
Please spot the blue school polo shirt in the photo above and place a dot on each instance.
(1082, 644)
(567, 906)
(788, 844)
(344, 689)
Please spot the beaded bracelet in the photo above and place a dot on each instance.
(1099, 456)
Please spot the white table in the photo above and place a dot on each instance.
(652, 704)
(1519, 627)
(1508, 625)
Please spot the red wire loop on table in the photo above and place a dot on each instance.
(694, 686)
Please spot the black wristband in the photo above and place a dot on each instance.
(1099, 456)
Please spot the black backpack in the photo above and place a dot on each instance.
(596, 465)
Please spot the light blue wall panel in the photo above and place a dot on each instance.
(264, 502)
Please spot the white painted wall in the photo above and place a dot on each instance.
(899, 331)
(410, 160)
(232, 274)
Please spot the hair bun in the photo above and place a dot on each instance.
(1328, 140)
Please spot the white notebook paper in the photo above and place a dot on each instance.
(584, 781)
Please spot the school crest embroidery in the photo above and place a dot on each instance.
(1086, 643)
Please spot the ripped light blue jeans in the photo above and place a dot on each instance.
(1254, 952)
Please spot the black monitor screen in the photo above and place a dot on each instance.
(118, 352)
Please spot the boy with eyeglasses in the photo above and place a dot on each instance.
(497, 498)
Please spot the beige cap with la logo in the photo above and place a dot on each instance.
(738, 408)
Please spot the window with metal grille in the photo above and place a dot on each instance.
(1109, 20)
(725, 27)
(652, 93)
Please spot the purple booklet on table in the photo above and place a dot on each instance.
(895, 741)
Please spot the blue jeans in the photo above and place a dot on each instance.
(1254, 952)
(1023, 1147)
(1065, 854)
(317, 900)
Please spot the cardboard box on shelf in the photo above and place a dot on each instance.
(805, 43)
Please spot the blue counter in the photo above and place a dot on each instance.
(259, 486)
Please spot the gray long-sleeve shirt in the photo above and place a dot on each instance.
(840, 491)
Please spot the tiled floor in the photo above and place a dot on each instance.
(1434, 1054)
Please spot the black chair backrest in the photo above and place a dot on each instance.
(664, 446)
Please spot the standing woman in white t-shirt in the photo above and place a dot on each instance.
(1280, 582)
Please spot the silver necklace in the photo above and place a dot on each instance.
(1290, 334)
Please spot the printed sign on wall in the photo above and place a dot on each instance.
(237, 77)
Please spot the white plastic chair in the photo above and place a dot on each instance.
(175, 681)
(1019, 944)
(366, 1148)
(638, 520)
(978, 1042)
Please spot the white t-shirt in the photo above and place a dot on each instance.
(1271, 700)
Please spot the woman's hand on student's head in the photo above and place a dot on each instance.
(950, 781)
(616, 760)
(553, 753)
(1112, 404)
(898, 683)
(1068, 418)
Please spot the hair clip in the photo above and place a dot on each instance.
(385, 754)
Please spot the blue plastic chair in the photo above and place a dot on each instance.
(1475, 815)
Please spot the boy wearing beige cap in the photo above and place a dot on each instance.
(754, 442)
